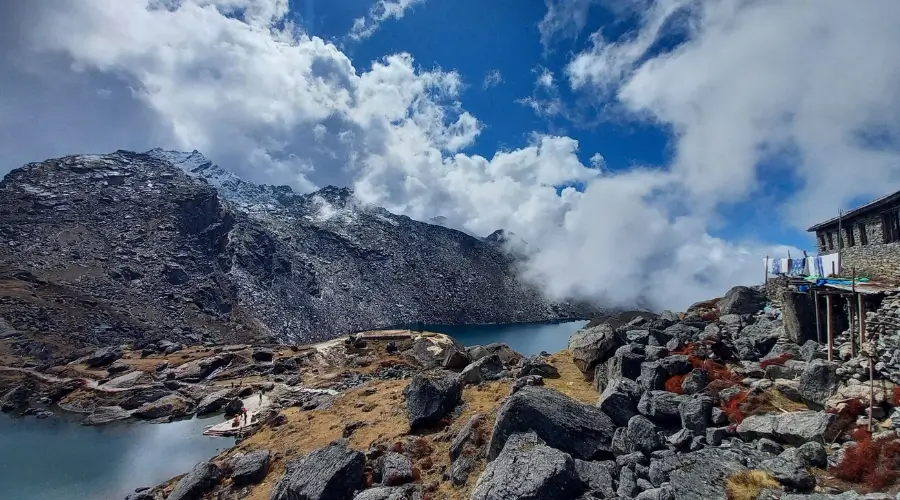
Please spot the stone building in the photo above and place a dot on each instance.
(867, 237)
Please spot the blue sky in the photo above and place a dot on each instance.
(645, 149)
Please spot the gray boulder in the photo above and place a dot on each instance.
(597, 477)
(467, 436)
(628, 487)
(619, 401)
(202, 478)
(140, 397)
(625, 363)
(251, 468)
(526, 381)
(485, 369)
(214, 402)
(103, 357)
(676, 364)
(819, 381)
(334, 472)
(581, 430)
(537, 366)
(455, 357)
(263, 355)
(592, 346)
(393, 469)
(696, 413)
(106, 414)
(641, 435)
(742, 300)
(528, 469)
(173, 405)
(695, 381)
(661, 407)
(430, 397)
(756, 340)
(810, 351)
(653, 376)
(700, 475)
(810, 454)
(798, 312)
(789, 473)
(405, 492)
(795, 428)
(233, 407)
(15, 398)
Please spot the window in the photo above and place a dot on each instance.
(822, 241)
(830, 241)
(863, 237)
(890, 226)
(849, 232)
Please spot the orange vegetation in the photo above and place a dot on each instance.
(873, 463)
(778, 360)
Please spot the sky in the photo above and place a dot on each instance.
(645, 149)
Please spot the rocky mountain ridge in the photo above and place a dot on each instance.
(131, 247)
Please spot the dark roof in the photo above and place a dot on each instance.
(872, 205)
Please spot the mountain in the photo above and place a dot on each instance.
(98, 249)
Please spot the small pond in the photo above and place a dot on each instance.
(60, 459)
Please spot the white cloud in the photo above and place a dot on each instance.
(762, 81)
(279, 106)
(545, 79)
(492, 79)
(382, 10)
(564, 19)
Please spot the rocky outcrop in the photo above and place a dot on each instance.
(175, 237)
(172, 405)
(583, 431)
(528, 469)
(106, 414)
(794, 428)
(250, 468)
(334, 472)
(819, 382)
(15, 398)
(430, 397)
(742, 300)
(202, 478)
(592, 346)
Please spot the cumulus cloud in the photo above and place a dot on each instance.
(276, 105)
(492, 79)
(381, 11)
(758, 83)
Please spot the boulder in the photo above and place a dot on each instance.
(172, 405)
(661, 407)
(477, 352)
(15, 398)
(810, 454)
(625, 363)
(393, 469)
(742, 300)
(527, 468)
(129, 380)
(233, 407)
(106, 414)
(103, 357)
(405, 492)
(468, 436)
(284, 365)
(167, 347)
(250, 468)
(213, 402)
(430, 397)
(653, 376)
(333, 472)
(628, 487)
(700, 475)
(263, 355)
(676, 364)
(537, 366)
(641, 435)
(793, 428)
(798, 313)
(791, 474)
(819, 381)
(526, 381)
(810, 351)
(485, 369)
(619, 401)
(592, 346)
(199, 369)
(202, 478)
(507, 355)
(581, 430)
(431, 350)
(117, 367)
(455, 357)
(695, 381)
(596, 477)
(756, 340)
(696, 413)
(460, 470)
(140, 397)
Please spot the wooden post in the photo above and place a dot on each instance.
(871, 390)
(862, 319)
(840, 242)
(766, 279)
(850, 302)
(818, 315)
(829, 326)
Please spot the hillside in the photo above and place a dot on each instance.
(103, 249)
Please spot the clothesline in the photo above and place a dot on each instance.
(820, 266)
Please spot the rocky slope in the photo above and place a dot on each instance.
(127, 247)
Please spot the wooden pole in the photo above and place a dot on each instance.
(871, 390)
(818, 316)
(862, 319)
(829, 326)
(840, 241)
(766, 279)
(850, 302)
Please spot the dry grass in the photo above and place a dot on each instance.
(571, 381)
(747, 485)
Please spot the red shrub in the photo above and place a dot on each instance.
(874, 463)
(778, 360)
(674, 383)
(895, 397)
(719, 385)
(732, 408)
(717, 371)
(687, 349)
(695, 361)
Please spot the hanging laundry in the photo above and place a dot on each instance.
(776, 266)
(798, 267)
(830, 265)
(785, 266)
(819, 267)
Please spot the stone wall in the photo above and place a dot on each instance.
(875, 259)
(885, 325)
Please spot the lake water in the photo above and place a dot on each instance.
(59, 459)
(526, 338)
